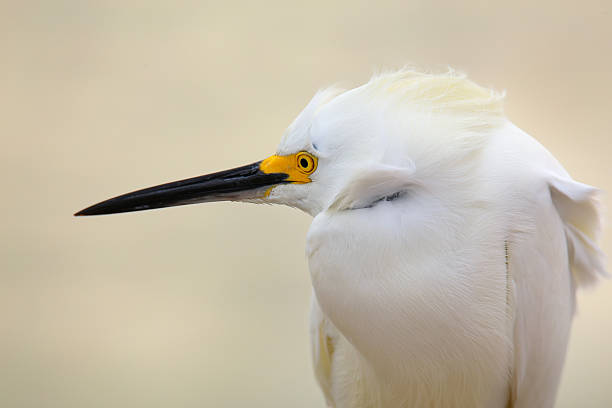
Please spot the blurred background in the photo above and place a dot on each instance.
(207, 305)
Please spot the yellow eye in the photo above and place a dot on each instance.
(306, 162)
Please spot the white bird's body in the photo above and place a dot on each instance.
(446, 245)
(442, 271)
(481, 323)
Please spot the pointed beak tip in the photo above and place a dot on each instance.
(95, 209)
(83, 213)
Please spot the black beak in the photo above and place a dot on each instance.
(242, 183)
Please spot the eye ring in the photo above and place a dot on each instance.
(306, 163)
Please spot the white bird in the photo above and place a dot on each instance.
(446, 246)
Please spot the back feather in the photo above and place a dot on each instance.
(579, 209)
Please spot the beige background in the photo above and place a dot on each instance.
(206, 305)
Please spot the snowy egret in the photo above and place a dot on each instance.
(446, 245)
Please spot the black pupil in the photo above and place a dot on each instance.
(303, 162)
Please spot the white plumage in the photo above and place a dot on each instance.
(446, 247)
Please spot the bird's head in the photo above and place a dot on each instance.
(347, 149)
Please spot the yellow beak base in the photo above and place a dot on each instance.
(297, 166)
